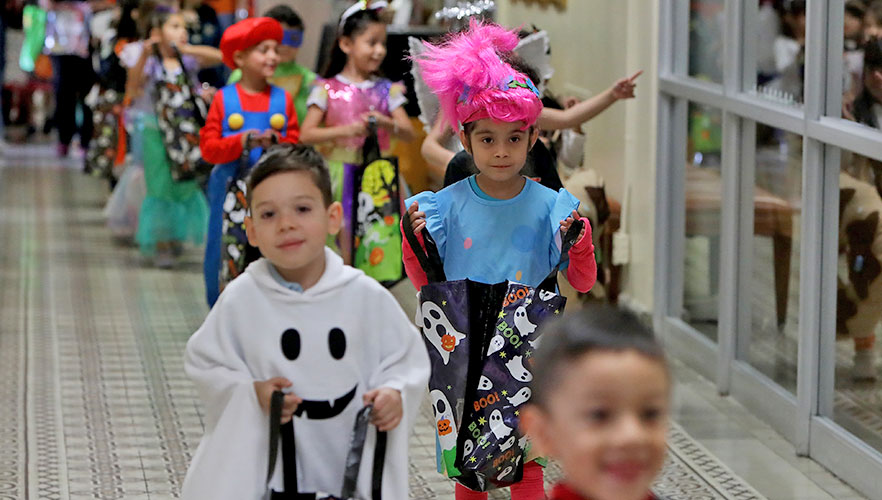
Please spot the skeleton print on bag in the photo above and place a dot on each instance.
(235, 251)
(181, 114)
(105, 139)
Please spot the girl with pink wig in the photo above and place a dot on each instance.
(496, 225)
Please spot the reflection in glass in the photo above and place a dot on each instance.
(858, 396)
(771, 344)
(779, 50)
(703, 201)
(852, 44)
(873, 21)
(862, 97)
(706, 23)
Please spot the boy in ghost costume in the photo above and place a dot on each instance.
(300, 320)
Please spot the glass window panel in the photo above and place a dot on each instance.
(703, 201)
(857, 401)
(706, 24)
(771, 343)
(777, 50)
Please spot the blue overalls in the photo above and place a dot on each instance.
(222, 175)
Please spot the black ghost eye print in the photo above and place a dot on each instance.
(291, 344)
(325, 408)
(337, 343)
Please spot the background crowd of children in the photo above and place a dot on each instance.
(258, 197)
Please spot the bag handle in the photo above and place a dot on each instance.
(275, 423)
(569, 239)
(353, 459)
(370, 151)
(429, 259)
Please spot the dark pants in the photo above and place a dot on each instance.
(74, 78)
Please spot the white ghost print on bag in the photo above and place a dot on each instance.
(517, 370)
(439, 331)
(497, 426)
(521, 397)
(522, 323)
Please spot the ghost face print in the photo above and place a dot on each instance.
(320, 358)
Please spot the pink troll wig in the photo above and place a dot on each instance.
(472, 81)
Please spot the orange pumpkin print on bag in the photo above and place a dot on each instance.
(376, 256)
(444, 427)
(448, 342)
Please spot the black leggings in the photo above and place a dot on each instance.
(74, 78)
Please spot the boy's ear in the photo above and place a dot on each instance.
(249, 231)
(335, 218)
(534, 423)
(466, 142)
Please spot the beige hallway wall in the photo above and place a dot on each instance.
(594, 43)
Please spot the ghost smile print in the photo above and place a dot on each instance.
(324, 357)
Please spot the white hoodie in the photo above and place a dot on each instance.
(241, 342)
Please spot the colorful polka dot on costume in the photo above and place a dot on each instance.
(236, 121)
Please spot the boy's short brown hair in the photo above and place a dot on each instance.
(287, 157)
(592, 329)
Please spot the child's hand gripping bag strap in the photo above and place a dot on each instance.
(428, 257)
(180, 114)
(375, 208)
(570, 238)
(353, 460)
(493, 449)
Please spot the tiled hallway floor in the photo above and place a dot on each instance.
(94, 402)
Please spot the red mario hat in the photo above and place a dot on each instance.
(248, 33)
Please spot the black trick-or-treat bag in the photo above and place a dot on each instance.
(480, 340)
(236, 252)
(102, 152)
(284, 434)
(374, 211)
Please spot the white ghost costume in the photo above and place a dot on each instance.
(240, 342)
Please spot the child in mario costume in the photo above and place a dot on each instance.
(244, 119)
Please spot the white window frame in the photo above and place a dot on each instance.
(801, 418)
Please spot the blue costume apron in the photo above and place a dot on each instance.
(226, 185)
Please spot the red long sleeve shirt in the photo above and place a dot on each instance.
(218, 149)
(581, 271)
(563, 492)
